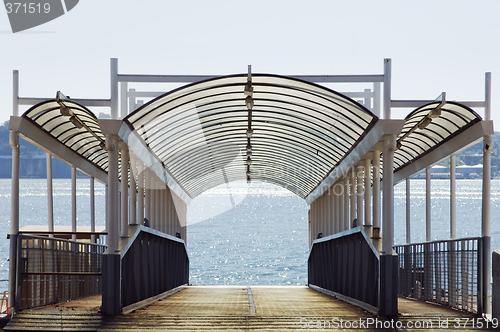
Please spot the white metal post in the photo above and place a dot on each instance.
(368, 210)
(332, 228)
(15, 93)
(352, 196)
(376, 99)
(388, 206)
(346, 203)
(453, 208)
(359, 194)
(112, 201)
(92, 210)
(486, 201)
(123, 99)
(50, 195)
(387, 88)
(147, 209)
(73, 202)
(340, 205)
(376, 193)
(114, 88)
(14, 218)
(408, 215)
(133, 193)
(140, 194)
(163, 222)
(124, 191)
(131, 102)
(427, 203)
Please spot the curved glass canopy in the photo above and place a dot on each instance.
(429, 126)
(299, 132)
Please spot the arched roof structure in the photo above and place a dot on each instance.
(300, 131)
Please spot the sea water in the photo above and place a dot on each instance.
(253, 234)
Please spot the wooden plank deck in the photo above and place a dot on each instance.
(237, 308)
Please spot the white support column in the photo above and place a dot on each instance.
(332, 228)
(114, 87)
(453, 208)
(123, 99)
(124, 191)
(352, 195)
(486, 201)
(388, 262)
(140, 193)
(131, 102)
(314, 219)
(387, 88)
(163, 223)
(50, 195)
(376, 99)
(340, 205)
(158, 206)
(14, 216)
(346, 203)
(15, 93)
(428, 204)
(168, 203)
(368, 200)
(92, 210)
(388, 206)
(112, 199)
(335, 210)
(359, 195)
(408, 215)
(376, 193)
(133, 193)
(147, 208)
(73, 202)
(153, 220)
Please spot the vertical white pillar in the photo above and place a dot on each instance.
(163, 222)
(340, 204)
(359, 195)
(14, 216)
(50, 196)
(387, 88)
(376, 193)
(123, 99)
(376, 99)
(152, 221)
(428, 204)
(73, 202)
(486, 200)
(124, 191)
(332, 229)
(140, 193)
(388, 206)
(147, 208)
(408, 215)
(336, 208)
(168, 198)
(158, 206)
(368, 201)
(352, 195)
(15, 93)
(346, 203)
(131, 102)
(133, 193)
(114, 87)
(92, 210)
(112, 199)
(453, 208)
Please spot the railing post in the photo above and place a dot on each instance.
(50, 196)
(92, 210)
(73, 202)
(428, 204)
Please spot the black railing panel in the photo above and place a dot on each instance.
(152, 263)
(448, 272)
(346, 263)
(52, 270)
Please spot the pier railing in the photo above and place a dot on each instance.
(52, 270)
(347, 265)
(448, 272)
(152, 263)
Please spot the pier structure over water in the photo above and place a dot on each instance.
(341, 155)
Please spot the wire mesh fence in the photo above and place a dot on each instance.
(54, 270)
(448, 272)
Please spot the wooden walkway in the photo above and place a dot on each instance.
(237, 308)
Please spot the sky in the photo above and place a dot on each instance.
(435, 46)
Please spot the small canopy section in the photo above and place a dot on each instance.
(299, 133)
(73, 125)
(430, 126)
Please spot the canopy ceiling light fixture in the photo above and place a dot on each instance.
(426, 120)
(73, 118)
